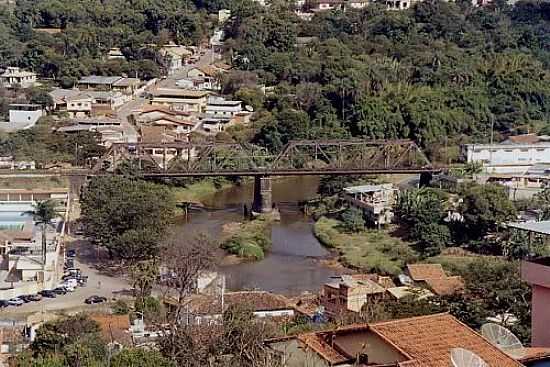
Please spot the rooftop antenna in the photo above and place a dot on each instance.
(503, 339)
(464, 358)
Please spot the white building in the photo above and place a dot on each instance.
(79, 106)
(24, 116)
(110, 130)
(14, 76)
(208, 309)
(377, 201)
(25, 267)
(115, 54)
(175, 56)
(223, 16)
(180, 99)
(507, 158)
(220, 107)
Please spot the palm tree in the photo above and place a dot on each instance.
(43, 213)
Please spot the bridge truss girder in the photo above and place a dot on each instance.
(296, 158)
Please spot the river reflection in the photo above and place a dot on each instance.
(292, 265)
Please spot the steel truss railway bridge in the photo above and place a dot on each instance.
(297, 158)
(304, 157)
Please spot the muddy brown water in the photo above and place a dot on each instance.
(293, 264)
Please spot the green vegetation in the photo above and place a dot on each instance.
(89, 28)
(250, 240)
(45, 148)
(200, 190)
(139, 357)
(128, 217)
(352, 219)
(423, 211)
(440, 69)
(369, 251)
(484, 208)
(76, 341)
(43, 213)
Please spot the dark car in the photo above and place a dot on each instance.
(25, 298)
(94, 299)
(71, 253)
(3, 303)
(34, 297)
(47, 293)
(60, 290)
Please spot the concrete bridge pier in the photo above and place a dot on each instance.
(262, 195)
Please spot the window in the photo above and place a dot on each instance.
(540, 149)
(524, 149)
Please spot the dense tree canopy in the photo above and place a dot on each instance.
(76, 341)
(89, 28)
(440, 69)
(129, 217)
(484, 208)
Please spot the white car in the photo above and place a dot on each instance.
(15, 302)
(70, 283)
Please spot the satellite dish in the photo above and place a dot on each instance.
(503, 339)
(464, 358)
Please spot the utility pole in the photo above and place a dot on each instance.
(492, 127)
(342, 96)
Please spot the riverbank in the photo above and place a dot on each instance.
(368, 250)
(248, 240)
(200, 191)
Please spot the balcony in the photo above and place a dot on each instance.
(536, 271)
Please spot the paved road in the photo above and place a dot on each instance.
(170, 81)
(98, 284)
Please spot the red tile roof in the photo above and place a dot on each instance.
(319, 345)
(156, 134)
(446, 286)
(257, 300)
(534, 354)
(429, 339)
(171, 119)
(524, 139)
(425, 271)
(114, 328)
(425, 341)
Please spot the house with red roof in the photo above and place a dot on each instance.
(424, 341)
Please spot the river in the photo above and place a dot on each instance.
(293, 264)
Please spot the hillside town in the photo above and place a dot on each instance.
(274, 184)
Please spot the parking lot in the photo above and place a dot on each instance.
(97, 284)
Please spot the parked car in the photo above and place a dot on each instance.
(70, 283)
(94, 299)
(3, 303)
(48, 293)
(74, 272)
(15, 302)
(34, 297)
(68, 287)
(25, 298)
(71, 253)
(60, 290)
